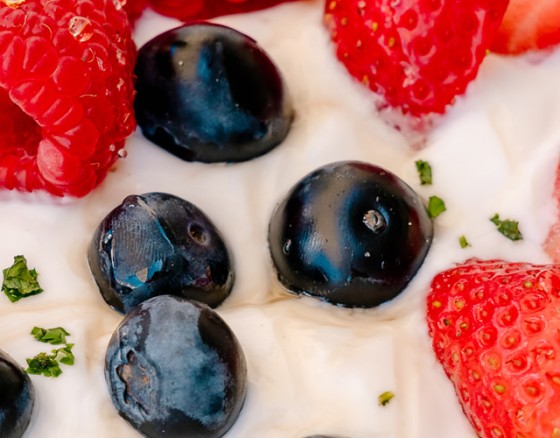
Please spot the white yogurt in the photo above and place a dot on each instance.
(313, 368)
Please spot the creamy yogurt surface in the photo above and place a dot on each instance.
(313, 368)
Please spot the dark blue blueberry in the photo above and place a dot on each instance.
(175, 369)
(350, 233)
(17, 398)
(155, 244)
(208, 93)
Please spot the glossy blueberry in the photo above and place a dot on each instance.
(17, 398)
(155, 244)
(350, 233)
(175, 369)
(206, 92)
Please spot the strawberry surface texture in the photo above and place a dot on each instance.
(66, 93)
(417, 54)
(528, 25)
(205, 9)
(495, 329)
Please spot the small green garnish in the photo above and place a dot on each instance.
(508, 228)
(436, 206)
(463, 242)
(45, 364)
(424, 172)
(64, 355)
(54, 336)
(49, 364)
(20, 281)
(385, 398)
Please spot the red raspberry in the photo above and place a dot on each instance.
(66, 93)
(204, 9)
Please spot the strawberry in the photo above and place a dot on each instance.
(552, 243)
(133, 8)
(66, 93)
(495, 328)
(528, 25)
(204, 9)
(418, 55)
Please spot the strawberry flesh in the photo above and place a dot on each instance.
(417, 55)
(528, 25)
(205, 9)
(495, 328)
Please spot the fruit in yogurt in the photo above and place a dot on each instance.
(418, 56)
(155, 244)
(494, 328)
(17, 398)
(528, 25)
(66, 93)
(175, 369)
(204, 9)
(209, 93)
(350, 233)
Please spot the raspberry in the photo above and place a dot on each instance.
(66, 93)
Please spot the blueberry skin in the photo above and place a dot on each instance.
(209, 93)
(155, 244)
(175, 369)
(350, 233)
(17, 398)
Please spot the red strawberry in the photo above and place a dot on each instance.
(204, 9)
(496, 330)
(528, 25)
(133, 8)
(418, 55)
(66, 93)
(552, 243)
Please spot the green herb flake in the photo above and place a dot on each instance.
(49, 364)
(508, 228)
(424, 172)
(44, 364)
(64, 355)
(20, 281)
(464, 242)
(436, 206)
(54, 336)
(385, 398)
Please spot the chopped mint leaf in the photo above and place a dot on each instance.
(385, 398)
(463, 242)
(44, 364)
(54, 336)
(64, 355)
(424, 172)
(436, 206)
(507, 227)
(20, 281)
(49, 364)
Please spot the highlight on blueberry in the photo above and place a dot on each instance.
(350, 233)
(17, 398)
(206, 92)
(155, 244)
(175, 369)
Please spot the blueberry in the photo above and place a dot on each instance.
(206, 92)
(350, 233)
(155, 244)
(175, 369)
(17, 398)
